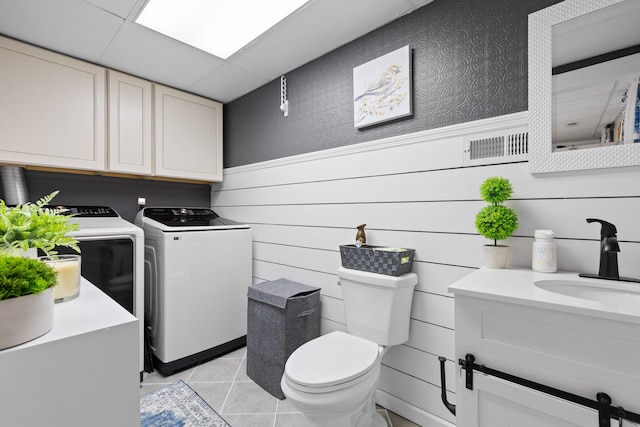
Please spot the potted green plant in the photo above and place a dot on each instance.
(496, 221)
(26, 284)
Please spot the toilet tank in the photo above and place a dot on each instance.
(377, 307)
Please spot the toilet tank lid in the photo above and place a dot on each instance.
(402, 281)
(331, 359)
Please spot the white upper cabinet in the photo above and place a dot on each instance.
(130, 126)
(55, 113)
(188, 136)
(52, 109)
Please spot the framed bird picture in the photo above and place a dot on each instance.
(382, 89)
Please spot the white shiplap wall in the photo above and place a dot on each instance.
(415, 191)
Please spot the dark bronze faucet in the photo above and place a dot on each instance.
(609, 249)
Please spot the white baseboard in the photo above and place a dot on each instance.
(410, 412)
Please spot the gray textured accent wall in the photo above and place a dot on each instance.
(469, 63)
(119, 193)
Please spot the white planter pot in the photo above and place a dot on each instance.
(25, 318)
(496, 256)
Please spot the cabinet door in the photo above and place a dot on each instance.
(52, 109)
(498, 403)
(188, 136)
(129, 124)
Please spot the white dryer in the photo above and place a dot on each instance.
(198, 268)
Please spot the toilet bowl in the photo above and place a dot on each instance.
(340, 390)
(332, 380)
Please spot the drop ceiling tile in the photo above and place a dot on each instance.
(71, 27)
(227, 83)
(120, 8)
(598, 102)
(101, 31)
(584, 92)
(420, 3)
(313, 31)
(145, 53)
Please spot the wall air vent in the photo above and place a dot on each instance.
(505, 147)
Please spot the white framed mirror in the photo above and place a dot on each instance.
(584, 67)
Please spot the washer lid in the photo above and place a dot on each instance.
(331, 359)
(184, 219)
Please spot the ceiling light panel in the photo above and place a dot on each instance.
(215, 26)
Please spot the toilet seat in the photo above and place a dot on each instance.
(332, 362)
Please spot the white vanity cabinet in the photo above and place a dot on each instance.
(188, 135)
(578, 346)
(52, 109)
(130, 124)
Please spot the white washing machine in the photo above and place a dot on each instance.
(112, 258)
(198, 268)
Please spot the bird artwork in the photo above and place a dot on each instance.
(382, 95)
(383, 85)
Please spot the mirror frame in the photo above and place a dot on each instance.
(541, 157)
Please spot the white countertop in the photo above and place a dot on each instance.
(93, 310)
(517, 286)
(82, 372)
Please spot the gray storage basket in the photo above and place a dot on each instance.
(282, 315)
(375, 260)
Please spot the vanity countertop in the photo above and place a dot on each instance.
(517, 286)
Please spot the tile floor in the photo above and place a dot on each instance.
(223, 383)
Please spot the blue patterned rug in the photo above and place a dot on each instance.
(177, 405)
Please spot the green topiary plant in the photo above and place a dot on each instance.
(496, 221)
(27, 226)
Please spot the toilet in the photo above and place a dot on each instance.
(332, 380)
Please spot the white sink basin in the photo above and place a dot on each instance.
(607, 292)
